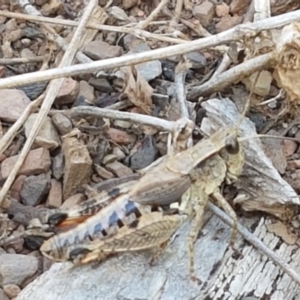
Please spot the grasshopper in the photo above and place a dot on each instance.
(134, 215)
(172, 172)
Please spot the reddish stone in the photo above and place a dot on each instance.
(16, 187)
(120, 136)
(55, 194)
(37, 162)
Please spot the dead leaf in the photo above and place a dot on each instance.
(184, 65)
(137, 89)
(118, 13)
(288, 69)
(281, 230)
(12, 36)
(7, 50)
(51, 7)
(274, 150)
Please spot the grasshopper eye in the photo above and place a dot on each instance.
(232, 145)
(57, 218)
(78, 252)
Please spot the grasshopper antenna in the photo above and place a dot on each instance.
(243, 114)
(247, 104)
(269, 136)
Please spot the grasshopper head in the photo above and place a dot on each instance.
(232, 145)
(233, 156)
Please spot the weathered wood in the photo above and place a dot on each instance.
(129, 276)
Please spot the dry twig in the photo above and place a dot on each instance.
(180, 73)
(84, 111)
(262, 9)
(236, 33)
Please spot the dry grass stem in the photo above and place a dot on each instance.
(145, 23)
(13, 130)
(180, 73)
(21, 60)
(178, 9)
(225, 63)
(248, 17)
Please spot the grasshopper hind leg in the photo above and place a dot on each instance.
(196, 227)
(151, 231)
(194, 202)
(233, 156)
(196, 206)
(222, 202)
